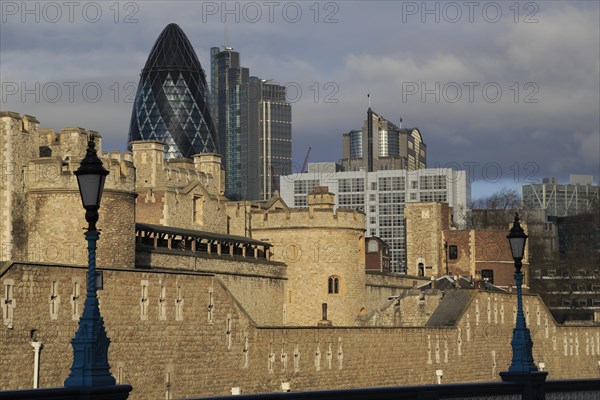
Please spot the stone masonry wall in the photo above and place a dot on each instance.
(424, 224)
(166, 342)
(380, 286)
(408, 308)
(257, 284)
(318, 244)
(56, 234)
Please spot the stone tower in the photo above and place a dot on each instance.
(324, 253)
(42, 216)
(424, 225)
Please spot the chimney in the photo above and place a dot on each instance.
(321, 198)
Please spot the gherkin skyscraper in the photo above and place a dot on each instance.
(172, 99)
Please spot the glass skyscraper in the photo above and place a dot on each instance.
(171, 103)
(254, 124)
(270, 144)
(229, 86)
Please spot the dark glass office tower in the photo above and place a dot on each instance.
(270, 137)
(171, 104)
(229, 85)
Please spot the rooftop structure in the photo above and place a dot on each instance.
(381, 145)
(561, 199)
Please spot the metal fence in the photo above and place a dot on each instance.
(580, 389)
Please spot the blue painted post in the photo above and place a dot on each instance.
(90, 344)
(522, 368)
(522, 357)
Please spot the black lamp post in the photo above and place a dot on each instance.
(522, 367)
(90, 345)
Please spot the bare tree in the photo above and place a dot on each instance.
(504, 199)
(496, 211)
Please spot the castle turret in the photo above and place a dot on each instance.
(42, 215)
(210, 164)
(324, 252)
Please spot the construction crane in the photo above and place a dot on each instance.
(306, 159)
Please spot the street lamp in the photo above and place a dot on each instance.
(522, 367)
(90, 344)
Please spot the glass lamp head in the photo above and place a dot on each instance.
(517, 238)
(91, 176)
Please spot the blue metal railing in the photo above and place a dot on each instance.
(569, 389)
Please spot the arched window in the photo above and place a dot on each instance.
(333, 285)
(421, 269)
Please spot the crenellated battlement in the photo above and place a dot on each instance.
(309, 218)
(319, 213)
(159, 174)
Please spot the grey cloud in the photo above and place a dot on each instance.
(373, 48)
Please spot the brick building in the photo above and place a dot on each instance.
(438, 249)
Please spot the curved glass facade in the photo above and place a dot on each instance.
(356, 144)
(388, 143)
(171, 103)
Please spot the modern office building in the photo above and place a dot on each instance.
(171, 103)
(382, 195)
(561, 200)
(270, 138)
(254, 125)
(381, 145)
(229, 85)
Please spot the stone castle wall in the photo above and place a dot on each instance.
(184, 350)
(407, 308)
(257, 284)
(380, 286)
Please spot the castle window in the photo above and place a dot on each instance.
(453, 252)
(144, 300)
(75, 300)
(54, 300)
(373, 246)
(198, 208)
(487, 275)
(333, 285)
(8, 303)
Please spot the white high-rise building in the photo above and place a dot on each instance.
(561, 199)
(382, 196)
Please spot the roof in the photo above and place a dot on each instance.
(200, 234)
(451, 307)
(447, 282)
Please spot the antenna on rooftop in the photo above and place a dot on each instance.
(369, 97)
(400, 122)
(226, 45)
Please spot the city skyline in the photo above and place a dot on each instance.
(413, 60)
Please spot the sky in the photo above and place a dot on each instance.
(509, 91)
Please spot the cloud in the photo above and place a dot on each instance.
(548, 71)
